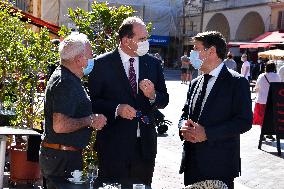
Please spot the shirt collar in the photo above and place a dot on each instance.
(125, 57)
(217, 70)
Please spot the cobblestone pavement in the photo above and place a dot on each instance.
(261, 169)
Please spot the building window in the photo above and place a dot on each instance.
(20, 4)
(191, 26)
(280, 24)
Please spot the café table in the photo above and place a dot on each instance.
(61, 183)
(4, 131)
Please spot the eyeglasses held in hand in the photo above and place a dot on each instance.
(144, 119)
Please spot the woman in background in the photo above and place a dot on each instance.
(261, 89)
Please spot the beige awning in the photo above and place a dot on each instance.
(272, 54)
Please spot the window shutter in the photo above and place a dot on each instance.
(280, 24)
(279, 19)
(282, 20)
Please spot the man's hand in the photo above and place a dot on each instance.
(98, 121)
(193, 132)
(126, 111)
(185, 131)
(148, 88)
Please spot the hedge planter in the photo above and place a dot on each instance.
(21, 170)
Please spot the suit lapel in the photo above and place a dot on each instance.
(143, 73)
(192, 93)
(120, 72)
(223, 76)
(143, 69)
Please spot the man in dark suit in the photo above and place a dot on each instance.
(128, 85)
(217, 111)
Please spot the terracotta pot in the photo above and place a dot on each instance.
(20, 168)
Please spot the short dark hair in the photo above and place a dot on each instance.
(213, 38)
(270, 67)
(125, 31)
(230, 55)
(126, 28)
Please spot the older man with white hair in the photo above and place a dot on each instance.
(68, 111)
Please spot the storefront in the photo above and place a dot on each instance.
(160, 44)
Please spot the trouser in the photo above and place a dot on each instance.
(59, 163)
(229, 182)
(137, 170)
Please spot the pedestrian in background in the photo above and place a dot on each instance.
(261, 89)
(281, 73)
(230, 62)
(184, 68)
(158, 56)
(245, 70)
(217, 111)
(190, 72)
(68, 111)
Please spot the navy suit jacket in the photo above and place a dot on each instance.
(226, 114)
(109, 87)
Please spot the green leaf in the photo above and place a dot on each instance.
(23, 54)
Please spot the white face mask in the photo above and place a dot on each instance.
(143, 48)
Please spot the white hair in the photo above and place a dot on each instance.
(133, 20)
(72, 46)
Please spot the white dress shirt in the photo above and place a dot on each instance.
(126, 64)
(198, 87)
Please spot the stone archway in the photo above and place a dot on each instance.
(219, 22)
(250, 27)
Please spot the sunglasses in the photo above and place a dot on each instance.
(143, 118)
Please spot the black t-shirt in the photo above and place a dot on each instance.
(66, 95)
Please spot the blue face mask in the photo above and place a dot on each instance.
(89, 67)
(195, 60)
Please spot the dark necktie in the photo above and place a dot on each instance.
(197, 108)
(132, 77)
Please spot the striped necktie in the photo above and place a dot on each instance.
(132, 77)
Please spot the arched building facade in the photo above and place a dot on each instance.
(238, 24)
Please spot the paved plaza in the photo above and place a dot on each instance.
(261, 169)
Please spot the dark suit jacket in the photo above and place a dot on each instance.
(226, 114)
(109, 87)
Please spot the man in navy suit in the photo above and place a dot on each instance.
(127, 85)
(217, 111)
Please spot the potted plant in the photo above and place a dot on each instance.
(24, 55)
